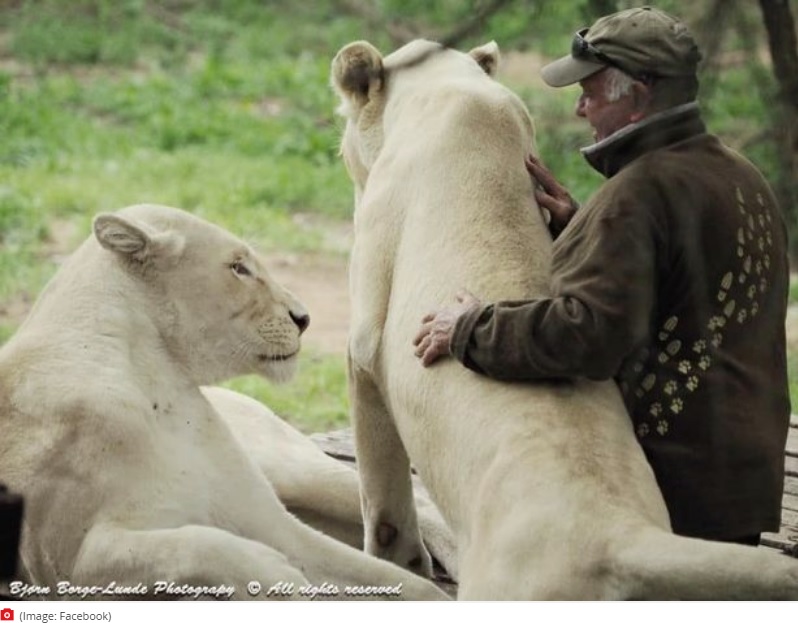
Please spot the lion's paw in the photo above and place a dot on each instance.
(402, 547)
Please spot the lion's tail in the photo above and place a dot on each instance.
(662, 566)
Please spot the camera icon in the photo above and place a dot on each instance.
(6, 614)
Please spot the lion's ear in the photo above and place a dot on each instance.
(488, 57)
(357, 73)
(133, 240)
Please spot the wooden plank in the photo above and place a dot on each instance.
(789, 519)
(785, 541)
(339, 444)
(790, 502)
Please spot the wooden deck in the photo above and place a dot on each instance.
(340, 444)
(787, 538)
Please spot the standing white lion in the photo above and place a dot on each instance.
(131, 477)
(544, 485)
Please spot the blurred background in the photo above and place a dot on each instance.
(223, 108)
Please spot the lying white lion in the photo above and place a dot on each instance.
(546, 488)
(319, 490)
(129, 474)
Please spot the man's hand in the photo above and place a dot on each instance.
(435, 336)
(551, 195)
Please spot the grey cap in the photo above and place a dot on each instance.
(641, 41)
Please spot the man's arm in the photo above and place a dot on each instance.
(604, 291)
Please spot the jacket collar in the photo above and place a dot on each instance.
(613, 153)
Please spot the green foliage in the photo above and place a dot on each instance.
(223, 108)
(23, 231)
(316, 401)
(793, 295)
(732, 112)
(792, 368)
(88, 31)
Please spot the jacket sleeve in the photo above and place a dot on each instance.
(603, 286)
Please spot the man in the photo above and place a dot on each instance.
(672, 280)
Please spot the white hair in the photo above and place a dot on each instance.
(617, 84)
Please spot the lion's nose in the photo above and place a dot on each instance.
(301, 321)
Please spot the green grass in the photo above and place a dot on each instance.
(316, 400)
(224, 112)
(224, 109)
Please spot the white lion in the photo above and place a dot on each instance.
(319, 490)
(545, 486)
(129, 474)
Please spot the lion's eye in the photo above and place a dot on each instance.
(239, 269)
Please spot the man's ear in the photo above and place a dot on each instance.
(135, 240)
(642, 96)
(357, 73)
(488, 57)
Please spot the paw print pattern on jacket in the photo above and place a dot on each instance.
(671, 371)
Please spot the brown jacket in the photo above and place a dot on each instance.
(673, 280)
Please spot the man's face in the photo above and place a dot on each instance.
(605, 117)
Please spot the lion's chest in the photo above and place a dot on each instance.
(198, 462)
(161, 463)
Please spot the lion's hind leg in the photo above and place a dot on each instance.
(389, 512)
(660, 565)
(319, 490)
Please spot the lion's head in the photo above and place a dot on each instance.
(367, 83)
(215, 307)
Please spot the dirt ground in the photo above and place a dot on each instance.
(320, 282)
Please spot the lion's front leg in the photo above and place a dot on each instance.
(386, 491)
(193, 555)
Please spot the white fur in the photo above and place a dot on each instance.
(128, 472)
(316, 488)
(544, 485)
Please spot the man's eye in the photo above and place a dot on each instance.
(239, 269)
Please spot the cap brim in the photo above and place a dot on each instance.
(569, 70)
